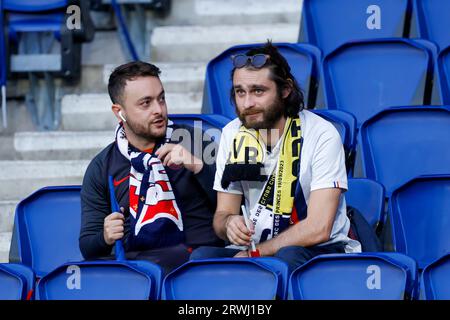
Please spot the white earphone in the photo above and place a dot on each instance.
(122, 117)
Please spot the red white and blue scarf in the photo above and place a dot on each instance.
(155, 218)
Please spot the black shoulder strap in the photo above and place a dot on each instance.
(362, 231)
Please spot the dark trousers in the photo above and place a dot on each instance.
(168, 258)
(294, 256)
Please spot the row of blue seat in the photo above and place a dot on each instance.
(48, 221)
(363, 276)
(331, 23)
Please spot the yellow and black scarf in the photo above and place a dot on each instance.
(281, 201)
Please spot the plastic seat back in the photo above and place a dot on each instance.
(16, 282)
(102, 280)
(363, 276)
(34, 5)
(221, 279)
(433, 20)
(331, 23)
(384, 73)
(345, 124)
(420, 218)
(400, 144)
(367, 196)
(435, 280)
(48, 226)
(444, 75)
(302, 58)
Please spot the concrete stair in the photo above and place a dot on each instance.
(200, 43)
(213, 12)
(7, 210)
(5, 240)
(93, 111)
(21, 178)
(63, 145)
(175, 76)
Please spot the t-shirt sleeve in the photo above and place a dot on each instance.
(222, 156)
(328, 162)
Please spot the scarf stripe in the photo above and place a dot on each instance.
(155, 217)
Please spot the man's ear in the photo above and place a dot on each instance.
(287, 89)
(116, 108)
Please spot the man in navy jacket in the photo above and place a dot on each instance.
(164, 190)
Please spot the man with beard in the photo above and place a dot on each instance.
(286, 163)
(164, 191)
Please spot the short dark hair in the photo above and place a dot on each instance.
(280, 73)
(128, 71)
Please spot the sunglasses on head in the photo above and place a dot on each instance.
(257, 61)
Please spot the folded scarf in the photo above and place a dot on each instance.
(155, 219)
(281, 201)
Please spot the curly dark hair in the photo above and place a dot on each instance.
(280, 73)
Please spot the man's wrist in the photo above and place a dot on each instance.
(227, 221)
(198, 167)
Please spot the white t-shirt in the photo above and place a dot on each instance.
(322, 165)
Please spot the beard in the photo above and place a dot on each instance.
(271, 115)
(148, 131)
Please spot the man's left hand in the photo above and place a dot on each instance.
(175, 156)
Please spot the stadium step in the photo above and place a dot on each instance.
(61, 145)
(213, 12)
(202, 43)
(19, 179)
(7, 210)
(5, 242)
(176, 77)
(93, 111)
(105, 48)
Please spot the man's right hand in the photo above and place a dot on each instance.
(113, 227)
(237, 231)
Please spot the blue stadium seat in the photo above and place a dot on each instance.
(282, 269)
(331, 23)
(444, 75)
(42, 43)
(436, 96)
(420, 218)
(17, 282)
(222, 279)
(362, 276)
(367, 196)
(47, 224)
(399, 144)
(433, 20)
(34, 5)
(211, 124)
(209, 121)
(47, 15)
(364, 78)
(102, 280)
(435, 280)
(345, 124)
(302, 58)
